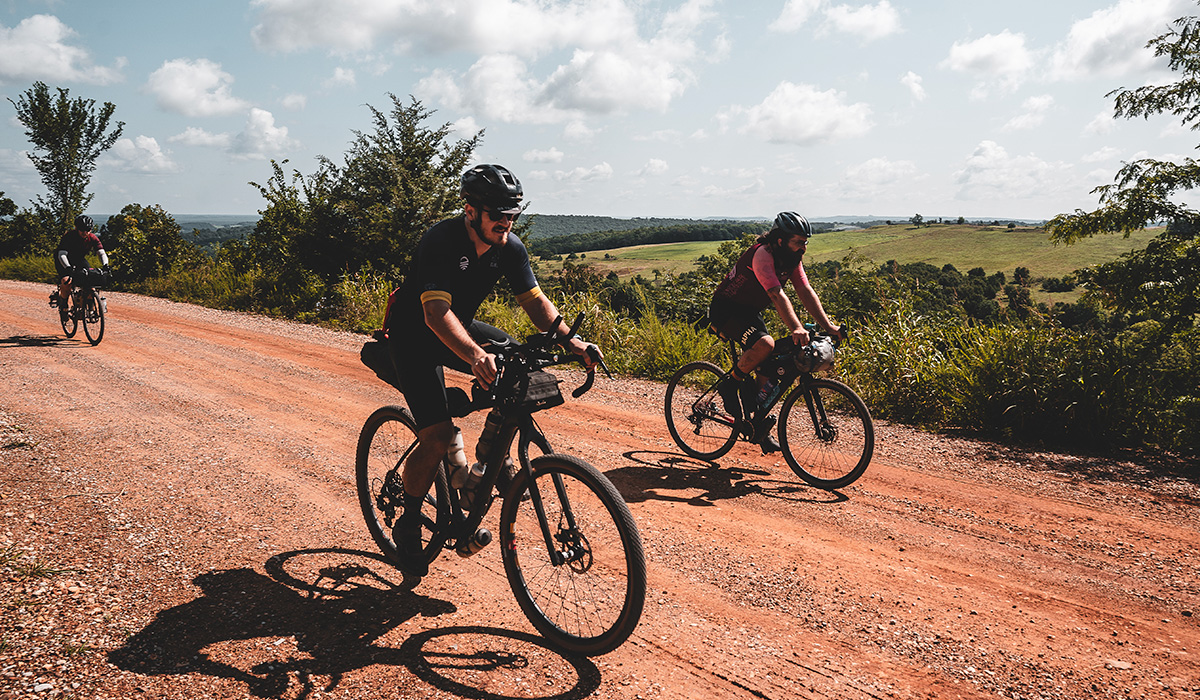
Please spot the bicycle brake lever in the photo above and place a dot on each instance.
(586, 386)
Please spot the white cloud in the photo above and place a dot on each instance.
(912, 81)
(868, 23)
(195, 136)
(991, 174)
(294, 102)
(342, 77)
(550, 155)
(140, 155)
(603, 171)
(37, 49)
(1104, 154)
(465, 128)
(1002, 58)
(196, 88)
(873, 180)
(1034, 113)
(261, 139)
(795, 13)
(803, 115)
(654, 166)
(498, 87)
(1111, 42)
(1102, 123)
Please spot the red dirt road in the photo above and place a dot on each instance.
(178, 519)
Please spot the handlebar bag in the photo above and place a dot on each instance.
(817, 356)
(538, 391)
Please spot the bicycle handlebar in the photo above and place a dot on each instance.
(535, 354)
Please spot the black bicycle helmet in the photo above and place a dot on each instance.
(83, 222)
(493, 187)
(789, 223)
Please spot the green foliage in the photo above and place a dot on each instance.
(70, 133)
(572, 225)
(145, 242)
(29, 232)
(31, 268)
(601, 240)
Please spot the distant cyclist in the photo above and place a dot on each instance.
(71, 253)
(755, 282)
(431, 324)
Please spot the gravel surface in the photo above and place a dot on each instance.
(178, 520)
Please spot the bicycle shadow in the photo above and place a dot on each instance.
(655, 474)
(36, 341)
(315, 616)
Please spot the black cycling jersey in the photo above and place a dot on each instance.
(77, 248)
(446, 267)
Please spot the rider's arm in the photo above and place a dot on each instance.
(103, 257)
(808, 297)
(543, 314)
(446, 326)
(764, 271)
(63, 259)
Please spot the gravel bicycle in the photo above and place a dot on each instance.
(85, 304)
(825, 430)
(572, 553)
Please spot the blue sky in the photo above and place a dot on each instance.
(687, 108)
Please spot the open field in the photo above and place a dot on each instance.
(965, 247)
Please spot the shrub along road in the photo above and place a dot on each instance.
(178, 519)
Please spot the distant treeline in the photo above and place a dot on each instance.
(556, 225)
(647, 235)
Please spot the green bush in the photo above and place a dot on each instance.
(29, 268)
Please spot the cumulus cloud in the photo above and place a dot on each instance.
(1111, 42)
(38, 48)
(912, 81)
(802, 115)
(873, 180)
(140, 155)
(654, 166)
(603, 171)
(342, 77)
(261, 138)
(612, 67)
(1104, 154)
(196, 88)
(1102, 123)
(294, 102)
(1003, 58)
(867, 22)
(550, 155)
(1033, 114)
(195, 136)
(991, 174)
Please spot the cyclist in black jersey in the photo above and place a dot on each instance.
(755, 282)
(71, 254)
(431, 325)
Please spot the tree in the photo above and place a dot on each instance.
(146, 243)
(917, 220)
(1158, 282)
(72, 134)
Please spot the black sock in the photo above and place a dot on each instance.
(738, 374)
(412, 504)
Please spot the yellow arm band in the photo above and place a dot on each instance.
(531, 294)
(434, 295)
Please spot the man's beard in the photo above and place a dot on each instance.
(785, 259)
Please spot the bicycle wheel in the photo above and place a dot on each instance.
(695, 413)
(589, 599)
(386, 440)
(70, 324)
(826, 433)
(93, 316)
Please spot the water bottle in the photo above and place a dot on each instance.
(768, 392)
(476, 542)
(491, 428)
(104, 304)
(472, 476)
(456, 459)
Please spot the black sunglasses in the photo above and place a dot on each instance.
(501, 216)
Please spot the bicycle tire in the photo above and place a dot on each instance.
(590, 604)
(93, 316)
(386, 440)
(695, 415)
(834, 452)
(70, 324)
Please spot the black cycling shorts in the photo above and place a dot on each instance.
(736, 322)
(419, 364)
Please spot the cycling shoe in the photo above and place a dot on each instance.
(410, 551)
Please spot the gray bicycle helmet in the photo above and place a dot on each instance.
(493, 187)
(83, 222)
(789, 223)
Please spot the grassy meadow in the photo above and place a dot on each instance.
(995, 249)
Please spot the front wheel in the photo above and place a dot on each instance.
(387, 439)
(584, 587)
(695, 413)
(67, 315)
(826, 433)
(93, 316)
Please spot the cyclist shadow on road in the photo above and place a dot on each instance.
(36, 341)
(654, 475)
(296, 631)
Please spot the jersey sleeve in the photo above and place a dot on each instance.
(799, 277)
(519, 272)
(763, 266)
(434, 264)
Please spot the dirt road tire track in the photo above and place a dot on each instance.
(190, 483)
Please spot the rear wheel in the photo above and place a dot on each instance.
(696, 415)
(826, 433)
(584, 590)
(93, 316)
(387, 439)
